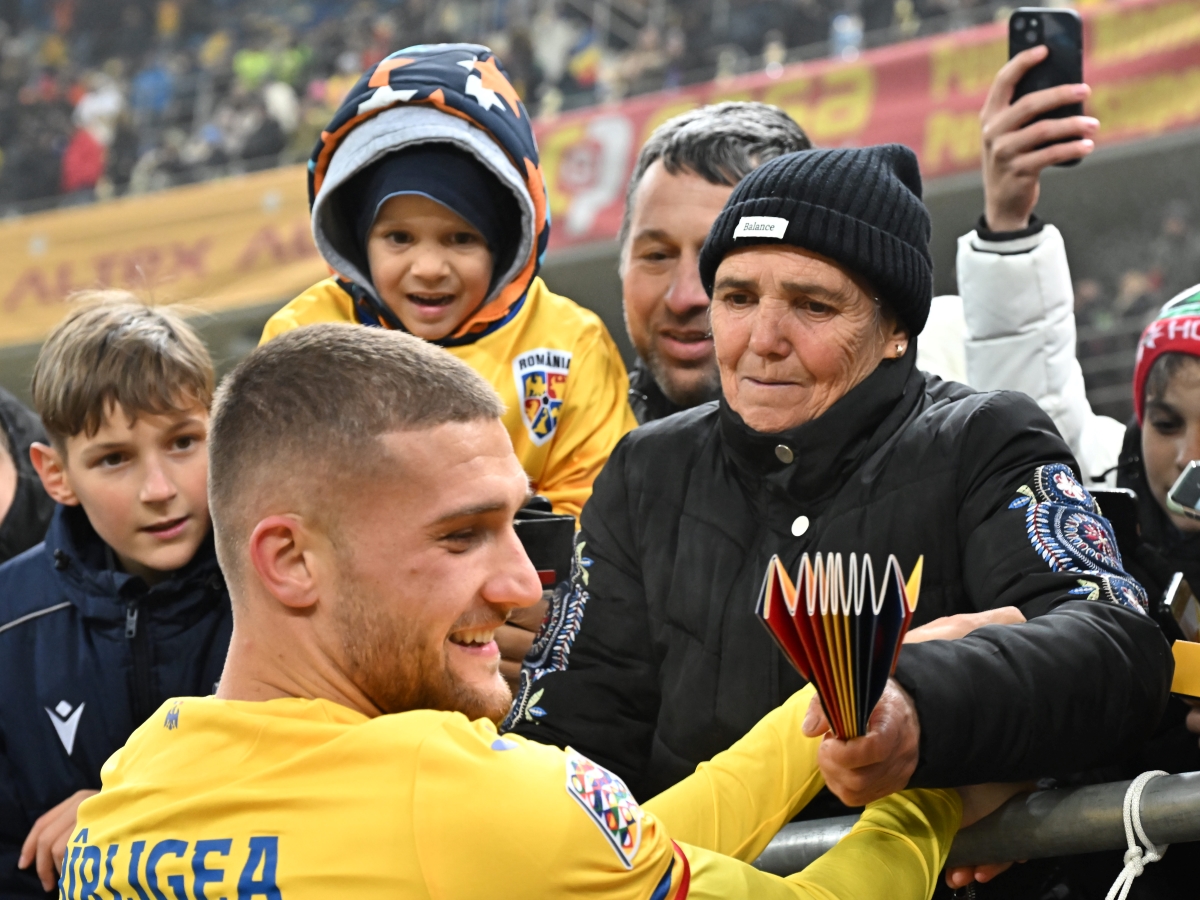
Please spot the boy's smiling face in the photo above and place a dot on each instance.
(143, 485)
(430, 266)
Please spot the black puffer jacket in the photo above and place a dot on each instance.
(655, 660)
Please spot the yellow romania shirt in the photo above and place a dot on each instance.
(555, 367)
(304, 799)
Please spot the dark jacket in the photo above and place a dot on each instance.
(87, 653)
(646, 398)
(28, 515)
(656, 660)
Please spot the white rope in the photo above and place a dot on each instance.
(1136, 859)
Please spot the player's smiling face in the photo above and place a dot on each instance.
(430, 266)
(430, 567)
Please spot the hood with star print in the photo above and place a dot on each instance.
(455, 94)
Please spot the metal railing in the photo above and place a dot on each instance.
(1059, 822)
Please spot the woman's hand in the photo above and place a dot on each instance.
(867, 768)
(951, 628)
(1012, 162)
(882, 761)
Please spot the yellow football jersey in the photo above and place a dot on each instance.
(300, 799)
(556, 368)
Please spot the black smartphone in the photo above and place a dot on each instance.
(1061, 30)
(1119, 506)
(1180, 604)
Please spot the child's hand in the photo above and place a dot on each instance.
(47, 841)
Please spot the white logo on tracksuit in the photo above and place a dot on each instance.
(65, 720)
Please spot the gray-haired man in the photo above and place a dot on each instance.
(682, 177)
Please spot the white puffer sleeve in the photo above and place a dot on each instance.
(1018, 303)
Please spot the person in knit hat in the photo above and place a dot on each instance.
(829, 439)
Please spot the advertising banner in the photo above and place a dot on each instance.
(225, 243)
(1142, 60)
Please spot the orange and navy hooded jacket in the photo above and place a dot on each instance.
(553, 363)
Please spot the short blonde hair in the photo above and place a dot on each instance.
(115, 349)
(300, 416)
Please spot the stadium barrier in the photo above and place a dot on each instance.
(1058, 822)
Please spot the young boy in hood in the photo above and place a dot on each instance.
(123, 605)
(428, 201)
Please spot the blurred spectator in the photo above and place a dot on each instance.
(245, 79)
(82, 162)
(1175, 253)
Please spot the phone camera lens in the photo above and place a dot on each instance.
(1018, 24)
(1031, 36)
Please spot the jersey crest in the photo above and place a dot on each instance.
(541, 377)
(608, 802)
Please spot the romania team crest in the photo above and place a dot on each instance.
(541, 377)
(605, 798)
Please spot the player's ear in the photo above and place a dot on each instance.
(285, 557)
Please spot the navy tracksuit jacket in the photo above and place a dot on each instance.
(87, 653)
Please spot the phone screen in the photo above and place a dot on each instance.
(1184, 496)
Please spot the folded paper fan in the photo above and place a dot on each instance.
(841, 631)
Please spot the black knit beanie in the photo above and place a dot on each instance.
(861, 207)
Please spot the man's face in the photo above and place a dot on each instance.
(666, 309)
(143, 486)
(429, 567)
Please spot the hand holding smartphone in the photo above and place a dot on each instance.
(1061, 32)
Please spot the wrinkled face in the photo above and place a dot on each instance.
(143, 487)
(666, 309)
(1171, 435)
(794, 332)
(430, 266)
(430, 567)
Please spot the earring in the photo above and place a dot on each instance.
(899, 349)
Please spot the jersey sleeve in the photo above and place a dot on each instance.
(503, 817)
(325, 301)
(894, 852)
(735, 803)
(595, 415)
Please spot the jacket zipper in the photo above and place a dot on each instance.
(143, 703)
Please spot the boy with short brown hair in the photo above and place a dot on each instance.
(123, 605)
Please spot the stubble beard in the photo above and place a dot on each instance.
(704, 388)
(399, 672)
(705, 383)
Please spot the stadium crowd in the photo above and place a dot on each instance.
(104, 98)
(286, 634)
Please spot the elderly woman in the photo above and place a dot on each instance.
(828, 438)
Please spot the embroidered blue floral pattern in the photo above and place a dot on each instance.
(1066, 529)
(551, 648)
